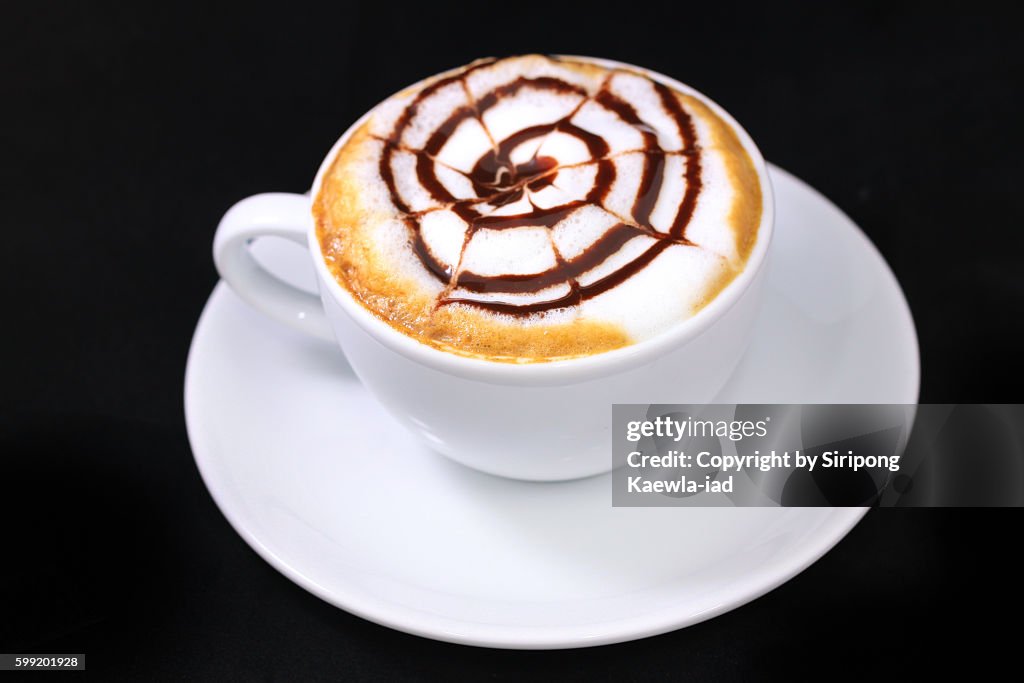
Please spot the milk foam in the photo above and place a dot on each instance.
(569, 173)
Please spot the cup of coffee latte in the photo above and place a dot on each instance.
(505, 250)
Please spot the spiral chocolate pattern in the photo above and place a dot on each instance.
(504, 192)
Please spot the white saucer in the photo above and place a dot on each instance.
(330, 490)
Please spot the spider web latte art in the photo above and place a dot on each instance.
(534, 197)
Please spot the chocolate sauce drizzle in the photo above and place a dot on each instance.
(497, 181)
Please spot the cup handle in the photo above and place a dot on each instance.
(277, 214)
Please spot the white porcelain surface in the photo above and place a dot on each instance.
(534, 421)
(330, 490)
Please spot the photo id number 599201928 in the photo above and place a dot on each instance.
(42, 662)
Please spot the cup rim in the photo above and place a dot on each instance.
(570, 369)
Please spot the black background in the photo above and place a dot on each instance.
(127, 133)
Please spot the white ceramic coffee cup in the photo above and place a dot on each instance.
(537, 421)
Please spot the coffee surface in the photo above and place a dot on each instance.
(531, 208)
